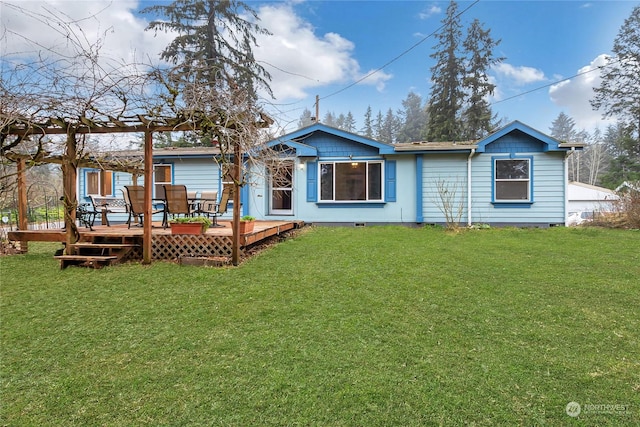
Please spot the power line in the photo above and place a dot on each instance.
(398, 56)
(554, 83)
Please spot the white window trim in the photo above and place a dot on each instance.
(99, 172)
(367, 162)
(528, 180)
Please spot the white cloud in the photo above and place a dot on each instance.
(521, 75)
(574, 95)
(35, 26)
(430, 11)
(299, 60)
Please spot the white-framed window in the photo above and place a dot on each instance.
(351, 181)
(512, 180)
(99, 183)
(161, 176)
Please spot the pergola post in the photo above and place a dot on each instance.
(148, 182)
(237, 176)
(23, 222)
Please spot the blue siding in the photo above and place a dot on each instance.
(451, 171)
(516, 142)
(334, 146)
(548, 192)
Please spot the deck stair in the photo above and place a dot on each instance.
(95, 255)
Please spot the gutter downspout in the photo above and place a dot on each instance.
(473, 151)
(566, 183)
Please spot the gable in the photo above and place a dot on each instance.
(329, 145)
(325, 141)
(516, 142)
(518, 137)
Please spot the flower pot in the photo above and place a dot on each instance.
(187, 228)
(246, 227)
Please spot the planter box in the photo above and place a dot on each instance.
(186, 228)
(246, 227)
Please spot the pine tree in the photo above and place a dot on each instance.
(367, 130)
(446, 76)
(329, 119)
(349, 123)
(619, 92)
(563, 128)
(389, 128)
(477, 116)
(619, 96)
(378, 126)
(412, 120)
(305, 119)
(214, 42)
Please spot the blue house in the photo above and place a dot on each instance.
(515, 176)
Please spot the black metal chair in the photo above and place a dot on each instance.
(86, 215)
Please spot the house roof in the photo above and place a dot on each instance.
(582, 191)
(296, 139)
(436, 146)
(169, 152)
(551, 144)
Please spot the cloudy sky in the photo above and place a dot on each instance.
(359, 54)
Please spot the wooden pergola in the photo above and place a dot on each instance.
(69, 162)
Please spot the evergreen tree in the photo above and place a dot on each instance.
(340, 121)
(477, 116)
(214, 42)
(412, 120)
(563, 128)
(367, 130)
(446, 77)
(349, 123)
(624, 165)
(305, 119)
(389, 127)
(377, 127)
(329, 119)
(619, 92)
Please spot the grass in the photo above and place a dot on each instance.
(339, 326)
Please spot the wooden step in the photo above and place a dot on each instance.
(94, 261)
(104, 245)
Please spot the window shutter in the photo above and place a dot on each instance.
(312, 181)
(390, 180)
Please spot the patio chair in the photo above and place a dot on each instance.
(86, 215)
(134, 196)
(207, 202)
(212, 208)
(177, 201)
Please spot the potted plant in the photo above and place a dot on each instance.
(190, 225)
(246, 224)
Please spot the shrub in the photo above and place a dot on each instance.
(191, 219)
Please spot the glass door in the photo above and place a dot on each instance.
(281, 188)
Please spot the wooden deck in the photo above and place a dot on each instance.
(215, 242)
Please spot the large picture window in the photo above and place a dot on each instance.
(351, 181)
(512, 182)
(99, 183)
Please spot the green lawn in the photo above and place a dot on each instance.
(378, 326)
